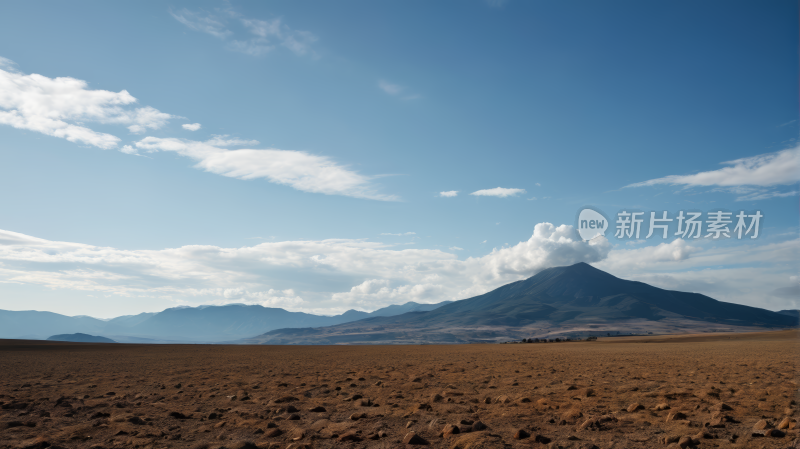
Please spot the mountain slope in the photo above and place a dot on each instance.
(80, 338)
(574, 300)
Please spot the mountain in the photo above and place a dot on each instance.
(577, 300)
(80, 338)
(792, 313)
(182, 324)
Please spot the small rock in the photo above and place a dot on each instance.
(478, 426)
(521, 434)
(293, 417)
(413, 438)
(685, 442)
(350, 435)
(721, 407)
(272, 433)
(242, 445)
(436, 398)
(635, 406)
(357, 416)
(660, 407)
(450, 430)
(317, 409)
(762, 424)
(676, 416)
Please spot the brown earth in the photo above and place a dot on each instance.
(706, 391)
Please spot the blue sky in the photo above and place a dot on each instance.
(326, 127)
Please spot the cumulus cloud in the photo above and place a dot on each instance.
(751, 177)
(381, 275)
(500, 192)
(368, 275)
(449, 193)
(260, 36)
(297, 169)
(59, 107)
(191, 126)
(744, 274)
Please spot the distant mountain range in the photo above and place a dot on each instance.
(183, 324)
(80, 338)
(577, 300)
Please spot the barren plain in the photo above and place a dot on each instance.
(706, 391)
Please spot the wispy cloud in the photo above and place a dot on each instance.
(297, 169)
(192, 126)
(255, 37)
(449, 193)
(203, 22)
(500, 192)
(455, 248)
(396, 90)
(60, 107)
(400, 234)
(770, 169)
(752, 177)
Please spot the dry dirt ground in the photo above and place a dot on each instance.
(707, 391)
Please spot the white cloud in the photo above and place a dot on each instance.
(205, 23)
(396, 90)
(763, 195)
(781, 168)
(127, 149)
(533, 198)
(500, 192)
(449, 193)
(400, 234)
(297, 169)
(455, 248)
(192, 126)
(744, 274)
(262, 36)
(389, 88)
(59, 107)
(268, 33)
(380, 275)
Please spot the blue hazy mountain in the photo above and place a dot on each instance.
(577, 300)
(183, 324)
(80, 338)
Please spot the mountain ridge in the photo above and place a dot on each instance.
(182, 324)
(573, 300)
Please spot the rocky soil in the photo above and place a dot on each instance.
(709, 392)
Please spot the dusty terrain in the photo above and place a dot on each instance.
(633, 392)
